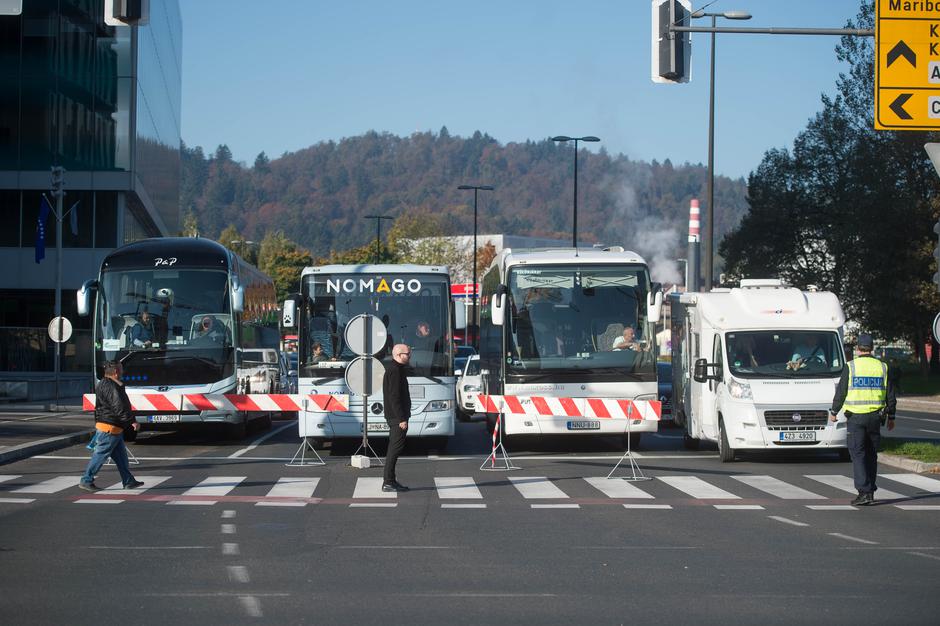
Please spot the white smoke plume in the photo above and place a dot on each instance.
(652, 236)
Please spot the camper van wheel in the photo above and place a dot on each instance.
(689, 443)
(634, 441)
(725, 451)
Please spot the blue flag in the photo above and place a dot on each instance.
(73, 218)
(44, 210)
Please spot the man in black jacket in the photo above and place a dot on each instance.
(397, 411)
(112, 416)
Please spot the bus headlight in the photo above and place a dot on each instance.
(439, 405)
(740, 390)
(472, 388)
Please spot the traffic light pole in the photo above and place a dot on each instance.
(58, 190)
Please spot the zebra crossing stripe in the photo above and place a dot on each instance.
(778, 488)
(211, 487)
(845, 483)
(117, 489)
(930, 485)
(53, 485)
(16, 500)
(537, 487)
(616, 488)
(698, 488)
(6, 477)
(457, 488)
(371, 488)
(291, 487)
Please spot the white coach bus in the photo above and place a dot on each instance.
(183, 315)
(413, 301)
(570, 323)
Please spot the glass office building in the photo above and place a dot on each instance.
(104, 103)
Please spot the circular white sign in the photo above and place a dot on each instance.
(364, 376)
(365, 330)
(54, 329)
(936, 327)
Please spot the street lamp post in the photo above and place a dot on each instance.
(378, 232)
(241, 243)
(710, 215)
(473, 298)
(564, 138)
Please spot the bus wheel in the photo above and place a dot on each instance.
(689, 443)
(633, 439)
(236, 431)
(725, 451)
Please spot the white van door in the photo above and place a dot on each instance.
(694, 417)
(710, 391)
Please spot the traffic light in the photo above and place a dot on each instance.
(671, 50)
(936, 257)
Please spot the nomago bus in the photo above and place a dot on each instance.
(549, 326)
(413, 301)
(206, 305)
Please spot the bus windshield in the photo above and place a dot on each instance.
(168, 327)
(414, 308)
(586, 323)
(784, 353)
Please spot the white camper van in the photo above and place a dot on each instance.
(755, 367)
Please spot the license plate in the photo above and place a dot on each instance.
(584, 425)
(163, 419)
(378, 427)
(798, 436)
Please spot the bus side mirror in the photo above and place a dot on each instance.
(238, 299)
(84, 296)
(654, 303)
(289, 313)
(498, 306)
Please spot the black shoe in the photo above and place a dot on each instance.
(863, 499)
(400, 486)
(390, 487)
(134, 484)
(92, 487)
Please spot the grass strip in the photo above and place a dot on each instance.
(917, 450)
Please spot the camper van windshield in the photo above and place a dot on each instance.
(784, 353)
(588, 322)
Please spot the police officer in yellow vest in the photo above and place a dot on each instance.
(869, 399)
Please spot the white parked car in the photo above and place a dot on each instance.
(469, 384)
(263, 370)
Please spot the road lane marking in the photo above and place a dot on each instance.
(930, 485)
(787, 521)
(926, 556)
(371, 488)
(228, 529)
(16, 500)
(6, 477)
(855, 539)
(228, 514)
(237, 573)
(117, 489)
(373, 505)
(392, 547)
(147, 547)
(739, 507)
(457, 488)
(698, 488)
(778, 488)
(53, 485)
(845, 483)
(933, 432)
(251, 605)
(472, 505)
(831, 507)
(254, 444)
(94, 501)
(230, 549)
(291, 487)
(617, 488)
(647, 506)
(536, 487)
(555, 506)
(918, 507)
(211, 486)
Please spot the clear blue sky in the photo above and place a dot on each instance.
(283, 75)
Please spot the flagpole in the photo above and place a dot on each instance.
(58, 182)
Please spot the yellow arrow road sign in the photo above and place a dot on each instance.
(907, 65)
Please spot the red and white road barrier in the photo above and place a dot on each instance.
(492, 456)
(175, 402)
(544, 406)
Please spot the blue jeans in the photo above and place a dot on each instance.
(108, 446)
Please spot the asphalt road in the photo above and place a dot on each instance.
(224, 532)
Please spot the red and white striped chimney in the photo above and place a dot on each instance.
(694, 221)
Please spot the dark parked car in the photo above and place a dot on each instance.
(664, 376)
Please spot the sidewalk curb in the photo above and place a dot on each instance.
(910, 465)
(27, 450)
(931, 406)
